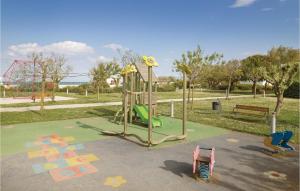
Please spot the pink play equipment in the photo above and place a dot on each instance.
(21, 77)
(203, 165)
(23, 80)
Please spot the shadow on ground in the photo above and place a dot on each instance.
(253, 166)
(178, 168)
(86, 126)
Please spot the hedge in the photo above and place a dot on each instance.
(292, 91)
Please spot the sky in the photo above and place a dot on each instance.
(87, 31)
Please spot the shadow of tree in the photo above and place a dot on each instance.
(38, 112)
(103, 112)
(245, 118)
(257, 149)
(86, 126)
(254, 167)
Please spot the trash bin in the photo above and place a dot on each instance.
(216, 105)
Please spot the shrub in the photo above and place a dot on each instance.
(167, 88)
(81, 89)
(225, 86)
(244, 86)
(292, 91)
(259, 88)
(178, 84)
(222, 87)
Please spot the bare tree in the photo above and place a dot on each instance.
(58, 71)
(129, 57)
(42, 68)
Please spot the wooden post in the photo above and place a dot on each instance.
(131, 96)
(144, 92)
(140, 89)
(86, 93)
(149, 105)
(125, 104)
(136, 86)
(264, 93)
(184, 104)
(3, 91)
(67, 90)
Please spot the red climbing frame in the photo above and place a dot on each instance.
(21, 73)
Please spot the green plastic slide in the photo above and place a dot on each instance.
(142, 111)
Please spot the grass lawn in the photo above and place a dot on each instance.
(108, 97)
(288, 118)
(202, 113)
(15, 137)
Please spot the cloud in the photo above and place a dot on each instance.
(69, 47)
(115, 47)
(23, 49)
(242, 3)
(65, 47)
(282, 0)
(267, 9)
(103, 59)
(95, 59)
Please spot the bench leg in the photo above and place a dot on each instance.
(234, 112)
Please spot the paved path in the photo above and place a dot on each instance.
(11, 100)
(36, 108)
(240, 166)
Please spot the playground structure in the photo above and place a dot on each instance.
(139, 102)
(203, 166)
(22, 80)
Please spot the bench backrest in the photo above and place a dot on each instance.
(252, 108)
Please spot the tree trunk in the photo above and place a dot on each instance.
(266, 86)
(279, 103)
(189, 93)
(42, 94)
(98, 93)
(254, 88)
(116, 82)
(192, 105)
(44, 75)
(53, 91)
(228, 89)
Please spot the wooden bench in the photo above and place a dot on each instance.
(256, 109)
